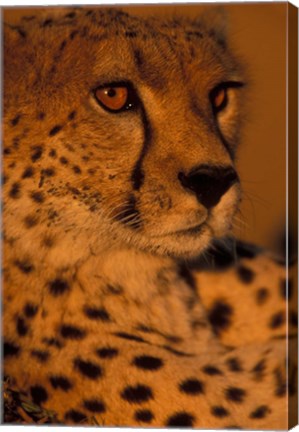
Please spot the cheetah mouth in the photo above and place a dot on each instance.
(197, 229)
(194, 230)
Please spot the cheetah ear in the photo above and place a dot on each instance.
(215, 18)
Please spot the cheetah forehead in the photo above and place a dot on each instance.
(103, 45)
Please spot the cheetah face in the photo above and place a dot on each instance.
(135, 139)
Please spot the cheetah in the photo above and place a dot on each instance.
(126, 298)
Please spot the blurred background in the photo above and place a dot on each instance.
(257, 33)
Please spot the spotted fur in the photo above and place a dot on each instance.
(125, 299)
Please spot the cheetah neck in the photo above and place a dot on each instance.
(127, 282)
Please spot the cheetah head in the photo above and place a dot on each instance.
(121, 131)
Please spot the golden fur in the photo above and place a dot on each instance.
(97, 230)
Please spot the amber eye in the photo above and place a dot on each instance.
(219, 99)
(116, 97)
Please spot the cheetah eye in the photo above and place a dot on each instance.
(116, 97)
(219, 95)
(219, 100)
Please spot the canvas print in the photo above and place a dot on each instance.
(150, 216)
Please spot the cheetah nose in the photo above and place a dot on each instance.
(209, 183)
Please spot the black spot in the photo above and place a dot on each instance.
(192, 386)
(38, 197)
(115, 289)
(22, 327)
(55, 130)
(30, 221)
(28, 172)
(211, 370)
(37, 153)
(245, 274)
(60, 382)
(38, 394)
(107, 353)
(181, 419)
(148, 362)
(62, 45)
(42, 356)
(15, 191)
(58, 287)
(220, 316)
(219, 411)
(72, 115)
(6, 150)
(96, 313)
(77, 169)
(30, 310)
(259, 369)
(277, 320)
(137, 394)
(47, 22)
(15, 120)
(72, 332)
(41, 116)
(70, 15)
(235, 394)
(24, 266)
(234, 364)
(138, 58)
(194, 33)
(73, 34)
(75, 416)
(170, 338)
(260, 412)
(63, 160)
(262, 296)
(128, 336)
(48, 241)
(52, 153)
(10, 349)
(94, 405)
(130, 34)
(88, 369)
(74, 190)
(16, 141)
(145, 416)
(52, 214)
(52, 342)
(48, 172)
